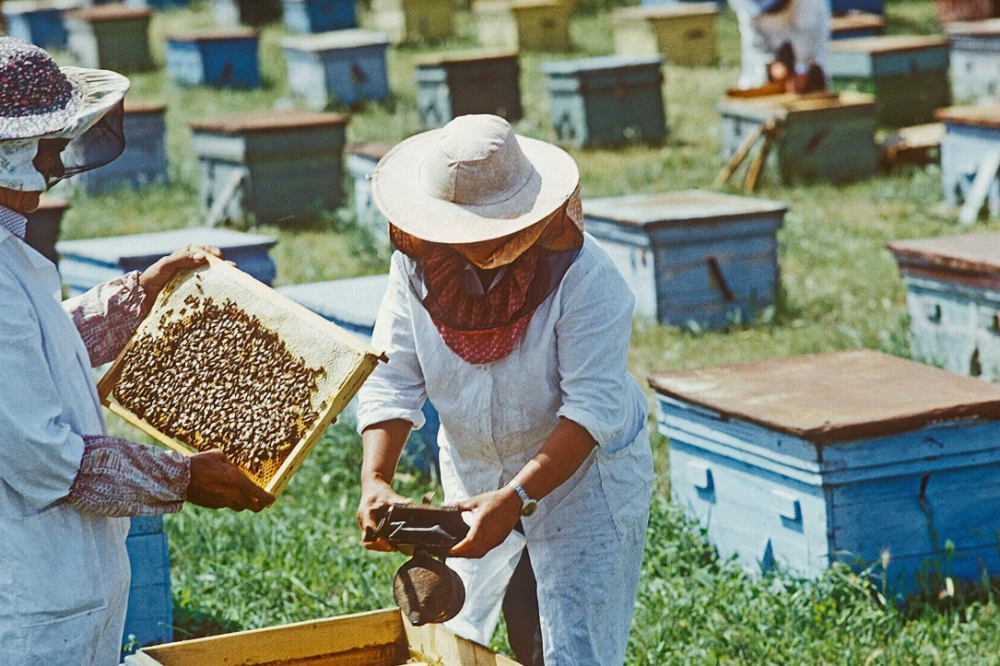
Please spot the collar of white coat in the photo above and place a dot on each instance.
(13, 222)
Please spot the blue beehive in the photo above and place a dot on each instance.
(857, 24)
(88, 262)
(222, 58)
(975, 61)
(692, 256)
(346, 65)
(144, 160)
(38, 21)
(42, 232)
(839, 456)
(456, 84)
(907, 74)
(361, 160)
(308, 16)
(840, 7)
(158, 4)
(953, 293)
(608, 100)
(353, 304)
(972, 137)
(150, 614)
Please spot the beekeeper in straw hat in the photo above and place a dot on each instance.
(66, 487)
(784, 40)
(516, 326)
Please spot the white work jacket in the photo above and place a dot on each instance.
(64, 576)
(805, 24)
(587, 537)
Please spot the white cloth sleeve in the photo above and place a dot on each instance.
(395, 390)
(592, 341)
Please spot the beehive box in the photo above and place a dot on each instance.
(224, 362)
(857, 24)
(975, 61)
(838, 456)
(150, 613)
(908, 75)
(272, 165)
(692, 256)
(683, 33)
(523, 25)
(38, 21)
(817, 137)
(972, 136)
(378, 638)
(144, 160)
(456, 84)
(42, 232)
(361, 160)
(414, 21)
(841, 7)
(232, 13)
(88, 262)
(311, 16)
(224, 58)
(953, 294)
(112, 37)
(608, 100)
(347, 66)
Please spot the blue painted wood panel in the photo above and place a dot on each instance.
(158, 4)
(143, 162)
(150, 608)
(221, 62)
(344, 67)
(368, 216)
(311, 16)
(39, 23)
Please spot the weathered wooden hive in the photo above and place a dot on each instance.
(311, 16)
(821, 137)
(361, 160)
(692, 256)
(144, 160)
(798, 462)
(908, 75)
(347, 66)
(38, 21)
(42, 232)
(975, 61)
(272, 165)
(224, 58)
(953, 294)
(456, 84)
(971, 144)
(414, 21)
(857, 24)
(232, 13)
(112, 37)
(523, 25)
(88, 262)
(683, 33)
(608, 100)
(150, 612)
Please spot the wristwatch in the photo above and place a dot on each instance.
(528, 505)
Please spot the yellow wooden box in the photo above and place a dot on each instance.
(526, 25)
(345, 359)
(378, 638)
(683, 33)
(414, 21)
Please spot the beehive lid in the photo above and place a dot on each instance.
(976, 116)
(987, 28)
(336, 40)
(837, 397)
(373, 151)
(12, 7)
(48, 202)
(465, 57)
(143, 108)
(858, 21)
(888, 44)
(666, 11)
(214, 35)
(352, 302)
(224, 361)
(600, 64)
(258, 122)
(116, 12)
(781, 106)
(969, 253)
(142, 249)
(667, 208)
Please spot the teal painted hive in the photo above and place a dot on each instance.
(361, 160)
(112, 37)
(953, 294)
(456, 84)
(693, 256)
(908, 75)
(972, 138)
(853, 456)
(344, 67)
(150, 615)
(607, 101)
(975, 61)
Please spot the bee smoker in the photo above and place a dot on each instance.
(425, 588)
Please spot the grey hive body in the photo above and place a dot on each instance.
(799, 462)
(692, 256)
(144, 161)
(112, 37)
(457, 84)
(344, 66)
(361, 160)
(150, 606)
(975, 61)
(971, 135)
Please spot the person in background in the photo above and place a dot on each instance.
(516, 326)
(67, 488)
(784, 42)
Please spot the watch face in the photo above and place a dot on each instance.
(529, 507)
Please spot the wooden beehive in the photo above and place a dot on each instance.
(817, 137)
(343, 363)
(803, 461)
(857, 24)
(347, 66)
(361, 160)
(378, 638)
(112, 37)
(971, 145)
(38, 21)
(692, 256)
(144, 161)
(223, 58)
(233, 13)
(908, 75)
(456, 84)
(683, 33)
(312, 16)
(841, 7)
(975, 61)
(523, 25)
(414, 21)
(150, 614)
(953, 294)
(42, 232)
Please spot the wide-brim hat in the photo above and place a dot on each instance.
(473, 180)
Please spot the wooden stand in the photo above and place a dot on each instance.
(970, 158)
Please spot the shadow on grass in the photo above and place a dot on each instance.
(191, 622)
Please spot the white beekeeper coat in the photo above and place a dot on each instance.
(586, 539)
(805, 24)
(64, 576)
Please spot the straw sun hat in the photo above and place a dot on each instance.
(473, 180)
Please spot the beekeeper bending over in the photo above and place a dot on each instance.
(66, 487)
(784, 40)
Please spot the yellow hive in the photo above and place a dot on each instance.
(684, 33)
(527, 25)
(414, 21)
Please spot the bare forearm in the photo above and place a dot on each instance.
(383, 445)
(566, 449)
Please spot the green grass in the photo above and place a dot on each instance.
(302, 559)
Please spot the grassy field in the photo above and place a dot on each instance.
(303, 559)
